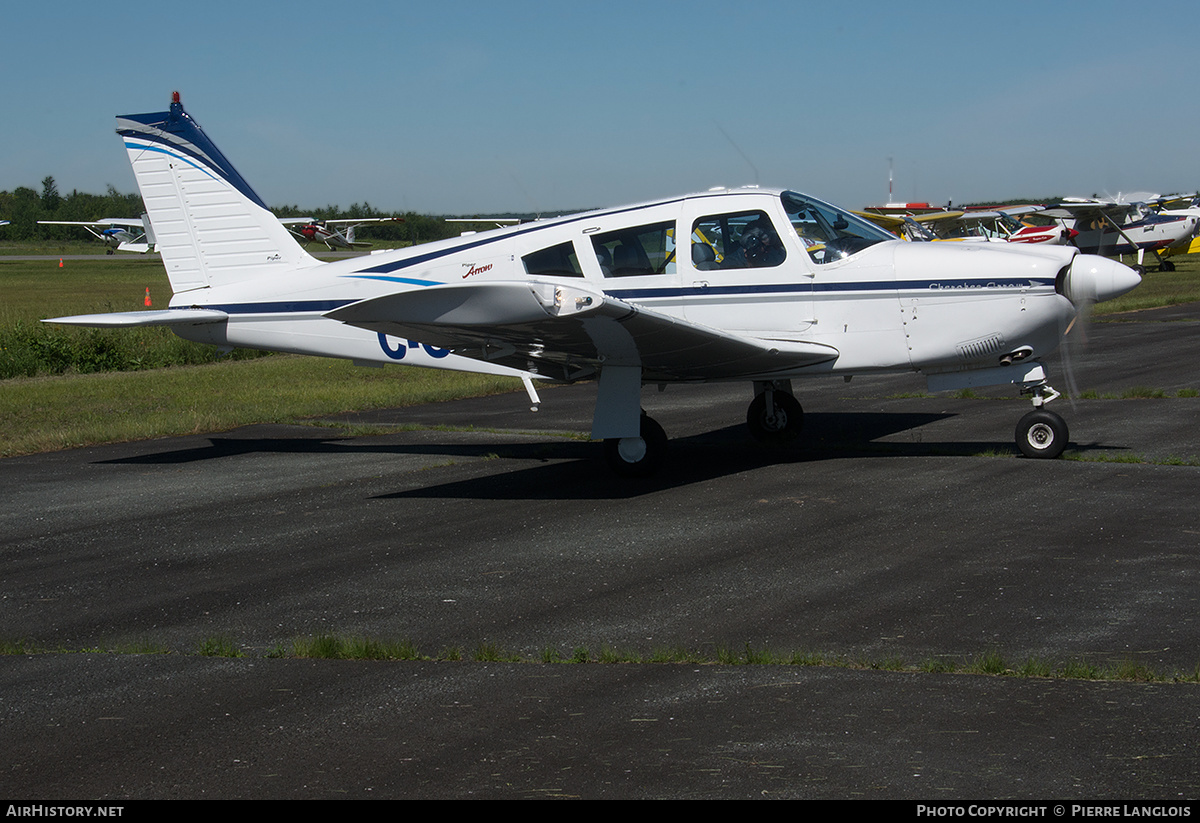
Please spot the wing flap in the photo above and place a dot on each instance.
(570, 331)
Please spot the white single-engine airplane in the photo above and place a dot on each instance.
(749, 284)
(1118, 227)
(323, 231)
(118, 234)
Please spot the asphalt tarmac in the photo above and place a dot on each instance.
(902, 534)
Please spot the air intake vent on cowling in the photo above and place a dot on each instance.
(981, 347)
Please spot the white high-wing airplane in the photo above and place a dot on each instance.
(1187, 205)
(323, 231)
(759, 285)
(118, 234)
(1117, 227)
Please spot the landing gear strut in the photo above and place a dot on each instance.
(775, 415)
(1041, 433)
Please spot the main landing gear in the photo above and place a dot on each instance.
(1041, 433)
(637, 456)
(775, 415)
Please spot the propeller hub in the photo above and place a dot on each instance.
(1094, 279)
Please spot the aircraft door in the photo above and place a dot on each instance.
(640, 264)
(740, 274)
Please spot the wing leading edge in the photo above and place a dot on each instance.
(569, 332)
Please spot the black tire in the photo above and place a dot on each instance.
(1167, 265)
(1042, 434)
(637, 457)
(782, 427)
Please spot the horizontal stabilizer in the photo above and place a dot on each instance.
(129, 319)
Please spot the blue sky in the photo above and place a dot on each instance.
(476, 107)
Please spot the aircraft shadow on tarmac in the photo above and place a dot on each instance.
(563, 468)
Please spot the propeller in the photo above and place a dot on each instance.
(1089, 280)
(1074, 342)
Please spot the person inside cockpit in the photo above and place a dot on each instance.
(758, 247)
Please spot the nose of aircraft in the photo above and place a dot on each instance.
(1094, 279)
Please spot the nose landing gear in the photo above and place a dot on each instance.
(1040, 433)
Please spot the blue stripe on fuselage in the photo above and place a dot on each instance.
(890, 286)
(956, 287)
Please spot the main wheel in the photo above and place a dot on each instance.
(1042, 434)
(637, 456)
(782, 424)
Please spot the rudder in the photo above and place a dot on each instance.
(210, 227)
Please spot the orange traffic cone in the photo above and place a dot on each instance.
(60, 265)
(148, 303)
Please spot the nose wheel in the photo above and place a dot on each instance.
(1041, 433)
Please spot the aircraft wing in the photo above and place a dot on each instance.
(891, 222)
(568, 332)
(106, 223)
(1077, 208)
(362, 221)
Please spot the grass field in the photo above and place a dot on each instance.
(50, 413)
(34, 289)
(85, 386)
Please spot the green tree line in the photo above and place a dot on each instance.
(24, 207)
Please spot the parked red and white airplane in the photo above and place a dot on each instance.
(1011, 224)
(118, 234)
(758, 285)
(323, 231)
(919, 221)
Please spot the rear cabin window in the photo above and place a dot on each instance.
(556, 261)
(635, 251)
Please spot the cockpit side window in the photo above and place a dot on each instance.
(737, 240)
(827, 232)
(556, 261)
(638, 250)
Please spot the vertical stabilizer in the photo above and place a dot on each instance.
(209, 226)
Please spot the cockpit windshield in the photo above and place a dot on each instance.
(829, 233)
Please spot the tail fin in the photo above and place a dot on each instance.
(209, 225)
